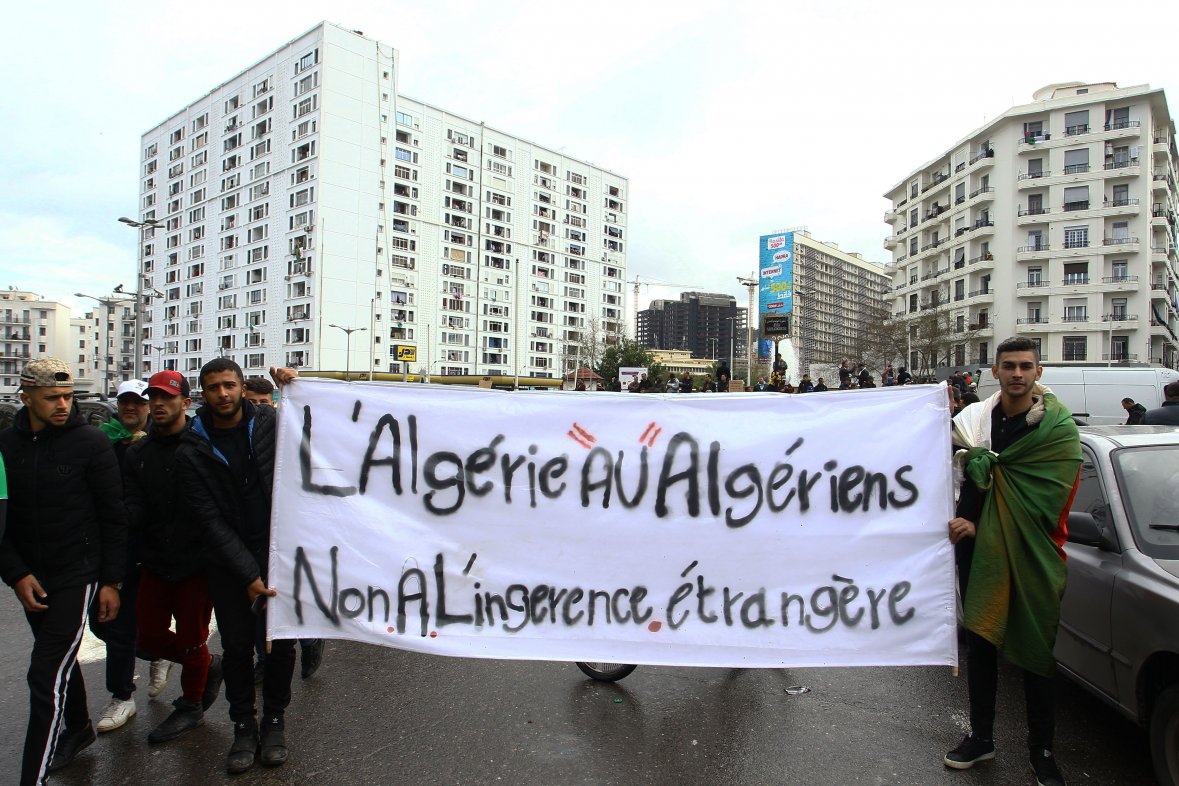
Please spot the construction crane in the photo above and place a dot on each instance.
(652, 282)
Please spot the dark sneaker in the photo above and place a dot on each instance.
(259, 671)
(69, 744)
(274, 742)
(186, 717)
(311, 658)
(244, 748)
(212, 683)
(971, 751)
(1044, 765)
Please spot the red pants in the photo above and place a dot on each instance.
(188, 601)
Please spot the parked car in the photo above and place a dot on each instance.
(1119, 622)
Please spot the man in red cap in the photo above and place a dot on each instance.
(172, 579)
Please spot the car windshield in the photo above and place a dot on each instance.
(1149, 481)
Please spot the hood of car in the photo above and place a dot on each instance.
(1169, 565)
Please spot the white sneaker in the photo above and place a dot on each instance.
(159, 677)
(116, 714)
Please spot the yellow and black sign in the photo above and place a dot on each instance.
(406, 353)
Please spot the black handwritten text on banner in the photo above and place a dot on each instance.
(729, 529)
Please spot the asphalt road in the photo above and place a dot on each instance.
(379, 716)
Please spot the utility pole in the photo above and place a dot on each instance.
(750, 284)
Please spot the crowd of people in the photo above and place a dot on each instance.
(145, 528)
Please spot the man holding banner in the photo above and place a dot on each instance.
(1021, 454)
(226, 465)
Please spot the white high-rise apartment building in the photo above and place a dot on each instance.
(305, 193)
(1056, 220)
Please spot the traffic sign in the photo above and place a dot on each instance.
(406, 353)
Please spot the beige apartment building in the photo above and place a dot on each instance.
(1056, 220)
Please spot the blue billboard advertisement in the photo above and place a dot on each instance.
(776, 274)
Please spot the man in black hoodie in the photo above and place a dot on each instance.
(225, 465)
(63, 549)
(173, 583)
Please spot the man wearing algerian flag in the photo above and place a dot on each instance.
(1020, 453)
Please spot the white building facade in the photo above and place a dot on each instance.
(1057, 221)
(314, 217)
(32, 326)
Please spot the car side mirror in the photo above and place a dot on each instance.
(1084, 530)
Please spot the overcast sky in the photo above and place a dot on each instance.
(731, 120)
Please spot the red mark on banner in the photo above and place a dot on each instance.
(581, 436)
(650, 435)
(391, 629)
(654, 626)
(433, 634)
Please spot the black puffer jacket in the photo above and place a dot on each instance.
(66, 521)
(215, 498)
(171, 544)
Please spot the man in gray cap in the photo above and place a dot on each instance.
(63, 550)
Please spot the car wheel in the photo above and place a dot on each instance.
(1164, 736)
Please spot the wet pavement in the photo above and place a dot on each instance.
(380, 716)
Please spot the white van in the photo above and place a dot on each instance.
(1095, 394)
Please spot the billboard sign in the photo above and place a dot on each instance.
(776, 274)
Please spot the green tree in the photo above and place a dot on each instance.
(626, 353)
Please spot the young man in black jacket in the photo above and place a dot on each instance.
(63, 549)
(225, 465)
(172, 579)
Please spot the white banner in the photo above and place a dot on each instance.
(745, 530)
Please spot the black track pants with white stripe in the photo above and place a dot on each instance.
(57, 694)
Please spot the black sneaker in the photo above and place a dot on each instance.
(969, 752)
(1044, 765)
(212, 683)
(186, 717)
(310, 658)
(274, 742)
(244, 749)
(259, 671)
(69, 744)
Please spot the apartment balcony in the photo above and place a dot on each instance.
(1160, 182)
(1034, 251)
(984, 226)
(1033, 325)
(986, 157)
(937, 183)
(1159, 254)
(1159, 284)
(1119, 318)
(1120, 357)
(1118, 245)
(1032, 215)
(14, 353)
(13, 320)
(1122, 129)
(1119, 284)
(15, 337)
(1120, 207)
(1076, 169)
(983, 194)
(1029, 142)
(1033, 288)
(982, 262)
(1032, 179)
(891, 241)
(981, 296)
(1127, 168)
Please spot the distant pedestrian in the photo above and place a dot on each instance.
(805, 385)
(1168, 413)
(709, 386)
(844, 376)
(1134, 412)
(864, 377)
(64, 548)
(821, 386)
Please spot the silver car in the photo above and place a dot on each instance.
(1119, 626)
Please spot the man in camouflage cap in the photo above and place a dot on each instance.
(63, 550)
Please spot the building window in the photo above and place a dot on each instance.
(1074, 348)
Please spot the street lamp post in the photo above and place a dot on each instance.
(732, 344)
(159, 350)
(348, 331)
(142, 226)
